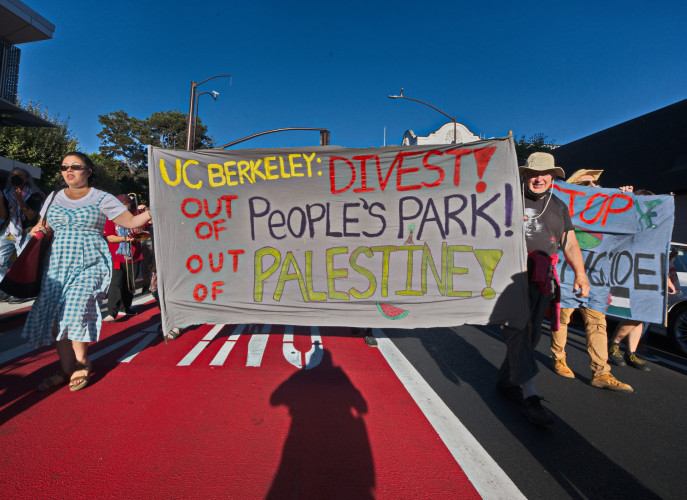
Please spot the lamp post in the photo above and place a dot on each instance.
(192, 110)
(452, 118)
(214, 95)
(324, 135)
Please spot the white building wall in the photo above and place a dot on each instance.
(444, 135)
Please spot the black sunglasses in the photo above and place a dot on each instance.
(64, 168)
(588, 183)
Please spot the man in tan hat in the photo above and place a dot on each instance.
(594, 322)
(547, 228)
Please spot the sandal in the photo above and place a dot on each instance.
(58, 379)
(80, 381)
(173, 334)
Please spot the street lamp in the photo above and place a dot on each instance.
(214, 95)
(192, 110)
(452, 118)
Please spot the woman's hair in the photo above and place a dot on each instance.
(29, 181)
(87, 160)
(645, 192)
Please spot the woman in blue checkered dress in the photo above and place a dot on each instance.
(67, 310)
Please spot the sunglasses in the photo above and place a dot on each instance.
(588, 183)
(77, 167)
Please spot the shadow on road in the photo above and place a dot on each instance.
(334, 460)
(576, 464)
(18, 386)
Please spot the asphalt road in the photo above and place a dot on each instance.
(604, 444)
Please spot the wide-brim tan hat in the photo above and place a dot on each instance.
(542, 162)
(585, 171)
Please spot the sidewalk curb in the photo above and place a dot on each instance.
(10, 315)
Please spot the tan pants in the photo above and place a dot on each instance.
(596, 336)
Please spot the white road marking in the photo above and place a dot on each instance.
(256, 346)
(224, 351)
(291, 354)
(198, 348)
(315, 354)
(107, 350)
(312, 358)
(487, 477)
(138, 347)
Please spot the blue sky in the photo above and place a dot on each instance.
(566, 71)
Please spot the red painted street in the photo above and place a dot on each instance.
(222, 412)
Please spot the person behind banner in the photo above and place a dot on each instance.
(67, 310)
(596, 335)
(21, 201)
(631, 329)
(126, 255)
(547, 228)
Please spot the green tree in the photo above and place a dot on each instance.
(126, 138)
(168, 130)
(120, 139)
(43, 147)
(124, 141)
(533, 144)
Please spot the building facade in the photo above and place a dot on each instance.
(18, 24)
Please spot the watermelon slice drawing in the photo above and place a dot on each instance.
(587, 239)
(391, 312)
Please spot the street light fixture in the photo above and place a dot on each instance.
(452, 118)
(324, 136)
(192, 110)
(214, 95)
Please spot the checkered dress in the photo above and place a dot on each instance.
(76, 280)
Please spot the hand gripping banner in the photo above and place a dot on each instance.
(400, 237)
(625, 241)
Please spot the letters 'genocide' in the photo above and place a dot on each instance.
(424, 236)
(624, 240)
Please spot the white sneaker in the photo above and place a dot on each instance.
(109, 318)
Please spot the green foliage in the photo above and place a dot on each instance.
(124, 139)
(168, 130)
(533, 144)
(112, 178)
(120, 139)
(43, 147)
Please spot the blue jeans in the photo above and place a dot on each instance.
(7, 248)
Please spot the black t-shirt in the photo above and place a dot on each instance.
(545, 232)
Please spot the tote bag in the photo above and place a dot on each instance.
(23, 279)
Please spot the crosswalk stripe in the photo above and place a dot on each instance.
(138, 348)
(224, 351)
(106, 350)
(256, 346)
(198, 348)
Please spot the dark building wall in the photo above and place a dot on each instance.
(648, 152)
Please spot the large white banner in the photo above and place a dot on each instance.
(384, 237)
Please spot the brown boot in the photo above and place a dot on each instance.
(608, 381)
(561, 368)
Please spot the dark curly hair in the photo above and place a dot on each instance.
(87, 160)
